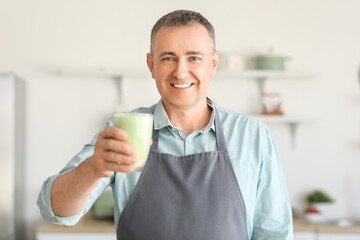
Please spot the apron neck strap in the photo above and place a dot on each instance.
(155, 138)
(220, 138)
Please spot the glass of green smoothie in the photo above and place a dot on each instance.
(139, 128)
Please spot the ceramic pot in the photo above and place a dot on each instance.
(270, 62)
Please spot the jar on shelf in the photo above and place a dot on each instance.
(272, 104)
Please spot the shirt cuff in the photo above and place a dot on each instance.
(44, 203)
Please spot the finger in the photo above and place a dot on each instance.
(115, 167)
(117, 146)
(115, 133)
(118, 158)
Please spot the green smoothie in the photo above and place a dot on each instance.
(139, 127)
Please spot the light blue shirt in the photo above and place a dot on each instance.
(252, 152)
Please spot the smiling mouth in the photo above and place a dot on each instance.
(181, 85)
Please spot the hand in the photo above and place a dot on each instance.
(111, 153)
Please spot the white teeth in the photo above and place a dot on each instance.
(181, 86)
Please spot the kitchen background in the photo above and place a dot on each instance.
(65, 52)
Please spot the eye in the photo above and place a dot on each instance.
(168, 59)
(194, 59)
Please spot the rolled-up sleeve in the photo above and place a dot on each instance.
(273, 217)
(44, 198)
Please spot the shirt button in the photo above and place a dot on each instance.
(189, 141)
(172, 128)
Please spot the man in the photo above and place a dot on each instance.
(211, 173)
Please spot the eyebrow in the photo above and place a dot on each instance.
(187, 53)
(195, 53)
(166, 53)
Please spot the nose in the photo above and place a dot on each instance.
(182, 70)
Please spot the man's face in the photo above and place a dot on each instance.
(182, 63)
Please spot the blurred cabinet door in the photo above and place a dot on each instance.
(344, 236)
(76, 236)
(12, 223)
(304, 236)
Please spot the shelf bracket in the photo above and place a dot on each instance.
(261, 85)
(293, 132)
(119, 82)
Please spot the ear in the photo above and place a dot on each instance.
(215, 63)
(150, 63)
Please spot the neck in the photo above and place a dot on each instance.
(189, 119)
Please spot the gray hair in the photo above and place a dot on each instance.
(182, 18)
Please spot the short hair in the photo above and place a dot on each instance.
(182, 18)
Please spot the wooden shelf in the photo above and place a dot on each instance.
(256, 74)
(292, 121)
(283, 119)
(262, 75)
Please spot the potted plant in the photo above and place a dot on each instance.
(319, 206)
(318, 196)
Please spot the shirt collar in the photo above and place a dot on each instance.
(161, 119)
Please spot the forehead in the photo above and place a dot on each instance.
(192, 37)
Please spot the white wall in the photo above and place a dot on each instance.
(38, 38)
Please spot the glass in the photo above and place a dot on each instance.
(139, 128)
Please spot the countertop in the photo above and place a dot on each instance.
(90, 225)
(301, 225)
(87, 224)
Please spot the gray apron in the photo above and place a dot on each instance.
(192, 197)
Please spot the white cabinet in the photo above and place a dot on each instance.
(86, 229)
(337, 236)
(325, 236)
(12, 104)
(304, 236)
(76, 236)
